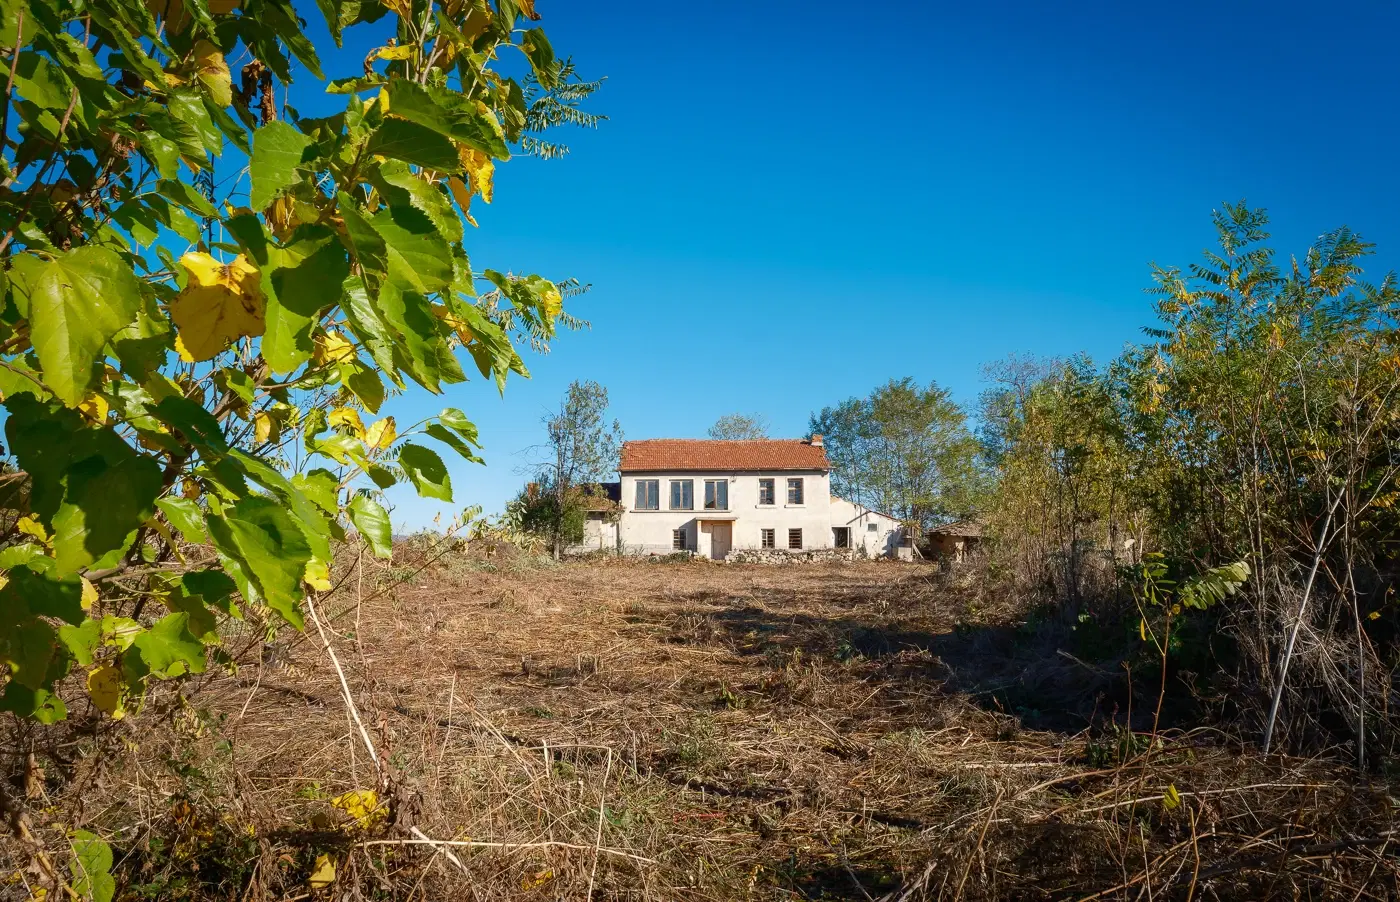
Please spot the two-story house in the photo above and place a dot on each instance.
(714, 496)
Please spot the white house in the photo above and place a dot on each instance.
(712, 497)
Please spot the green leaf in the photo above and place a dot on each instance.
(448, 114)
(35, 594)
(87, 485)
(372, 523)
(187, 105)
(457, 421)
(322, 487)
(29, 650)
(410, 142)
(364, 383)
(278, 149)
(184, 194)
(453, 441)
(168, 649)
(82, 640)
(76, 302)
(424, 196)
(196, 425)
(537, 49)
(142, 346)
(92, 867)
(306, 277)
(109, 495)
(416, 254)
(40, 704)
(231, 127)
(417, 330)
(260, 535)
(369, 326)
(381, 476)
(426, 470)
(186, 516)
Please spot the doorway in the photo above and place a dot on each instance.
(721, 540)
(841, 536)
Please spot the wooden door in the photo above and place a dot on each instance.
(721, 539)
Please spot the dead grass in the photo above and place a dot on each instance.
(632, 730)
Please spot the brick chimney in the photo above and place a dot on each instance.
(816, 440)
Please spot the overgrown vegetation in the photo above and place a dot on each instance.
(205, 295)
(1259, 426)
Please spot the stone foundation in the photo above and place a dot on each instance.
(784, 556)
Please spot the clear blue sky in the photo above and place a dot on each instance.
(792, 202)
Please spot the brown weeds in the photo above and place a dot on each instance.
(635, 730)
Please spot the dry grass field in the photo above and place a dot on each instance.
(664, 730)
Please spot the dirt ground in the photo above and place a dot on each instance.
(663, 730)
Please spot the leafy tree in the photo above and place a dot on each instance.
(191, 359)
(906, 450)
(740, 426)
(1257, 427)
(537, 512)
(583, 448)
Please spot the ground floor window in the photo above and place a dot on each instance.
(769, 538)
(678, 539)
(794, 539)
(871, 527)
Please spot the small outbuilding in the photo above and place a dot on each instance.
(954, 541)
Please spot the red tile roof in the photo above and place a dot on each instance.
(722, 456)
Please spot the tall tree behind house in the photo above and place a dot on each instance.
(583, 449)
(905, 450)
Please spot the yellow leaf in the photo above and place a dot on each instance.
(163, 529)
(362, 805)
(347, 417)
(1374, 615)
(324, 875)
(381, 434)
(30, 526)
(318, 575)
(462, 195)
(212, 70)
(333, 347)
(1171, 798)
(89, 597)
(190, 489)
(105, 686)
(480, 170)
(94, 407)
(221, 303)
(1142, 630)
(282, 216)
(265, 428)
(395, 53)
(539, 879)
(551, 303)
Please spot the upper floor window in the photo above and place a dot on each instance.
(767, 494)
(716, 494)
(795, 491)
(648, 495)
(682, 494)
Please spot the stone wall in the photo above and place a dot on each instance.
(783, 556)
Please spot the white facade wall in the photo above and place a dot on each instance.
(877, 533)
(599, 534)
(650, 532)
